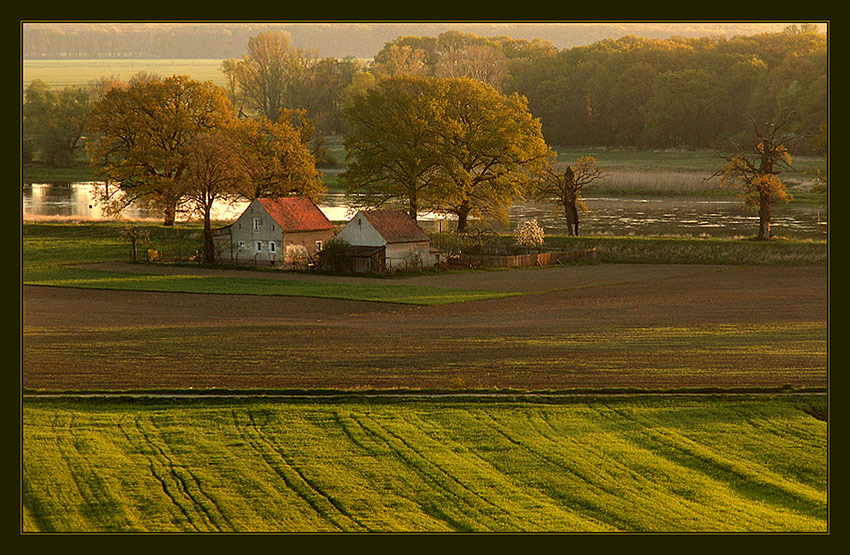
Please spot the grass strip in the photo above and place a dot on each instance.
(389, 293)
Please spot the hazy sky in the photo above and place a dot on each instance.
(365, 39)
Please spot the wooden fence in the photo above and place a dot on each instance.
(521, 260)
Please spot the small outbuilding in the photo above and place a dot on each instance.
(275, 231)
(392, 235)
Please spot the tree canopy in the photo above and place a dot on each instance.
(136, 137)
(152, 141)
(756, 168)
(53, 121)
(449, 145)
(698, 92)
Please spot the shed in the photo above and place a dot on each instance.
(404, 241)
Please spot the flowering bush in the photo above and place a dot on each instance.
(295, 254)
(529, 234)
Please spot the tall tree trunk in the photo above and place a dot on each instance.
(209, 244)
(569, 215)
(413, 206)
(462, 216)
(764, 218)
(169, 212)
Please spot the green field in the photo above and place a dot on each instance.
(212, 284)
(637, 465)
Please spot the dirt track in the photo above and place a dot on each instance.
(575, 328)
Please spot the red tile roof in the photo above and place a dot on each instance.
(395, 226)
(294, 214)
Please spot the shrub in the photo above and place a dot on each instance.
(529, 234)
(336, 257)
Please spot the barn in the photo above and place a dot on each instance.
(391, 234)
(274, 231)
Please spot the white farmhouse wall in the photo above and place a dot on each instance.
(266, 234)
(360, 232)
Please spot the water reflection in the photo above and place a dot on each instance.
(606, 216)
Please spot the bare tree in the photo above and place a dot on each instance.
(565, 188)
(755, 169)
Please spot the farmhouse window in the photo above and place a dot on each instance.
(259, 246)
(241, 244)
(318, 246)
(271, 246)
(257, 223)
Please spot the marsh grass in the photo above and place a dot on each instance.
(707, 250)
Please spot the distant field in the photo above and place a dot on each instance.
(651, 465)
(62, 73)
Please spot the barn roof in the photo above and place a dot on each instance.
(294, 214)
(395, 226)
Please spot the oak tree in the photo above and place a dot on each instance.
(491, 150)
(390, 145)
(214, 172)
(276, 159)
(137, 137)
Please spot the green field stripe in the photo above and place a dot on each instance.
(390, 292)
(289, 476)
(456, 507)
(330, 508)
(531, 509)
(746, 480)
(187, 482)
(647, 464)
(595, 501)
(98, 504)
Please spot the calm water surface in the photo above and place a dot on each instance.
(606, 216)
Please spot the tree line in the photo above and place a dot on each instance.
(647, 93)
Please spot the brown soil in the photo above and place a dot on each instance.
(565, 333)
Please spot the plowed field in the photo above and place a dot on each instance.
(583, 326)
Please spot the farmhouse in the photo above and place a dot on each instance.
(386, 239)
(274, 231)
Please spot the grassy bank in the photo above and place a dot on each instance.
(709, 250)
(665, 250)
(663, 465)
(40, 173)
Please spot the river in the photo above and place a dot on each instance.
(682, 216)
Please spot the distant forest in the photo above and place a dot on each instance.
(338, 40)
(631, 91)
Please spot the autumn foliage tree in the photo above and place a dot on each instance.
(213, 173)
(137, 136)
(565, 188)
(276, 158)
(456, 146)
(391, 148)
(491, 149)
(756, 168)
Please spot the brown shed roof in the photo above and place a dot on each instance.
(395, 226)
(294, 214)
